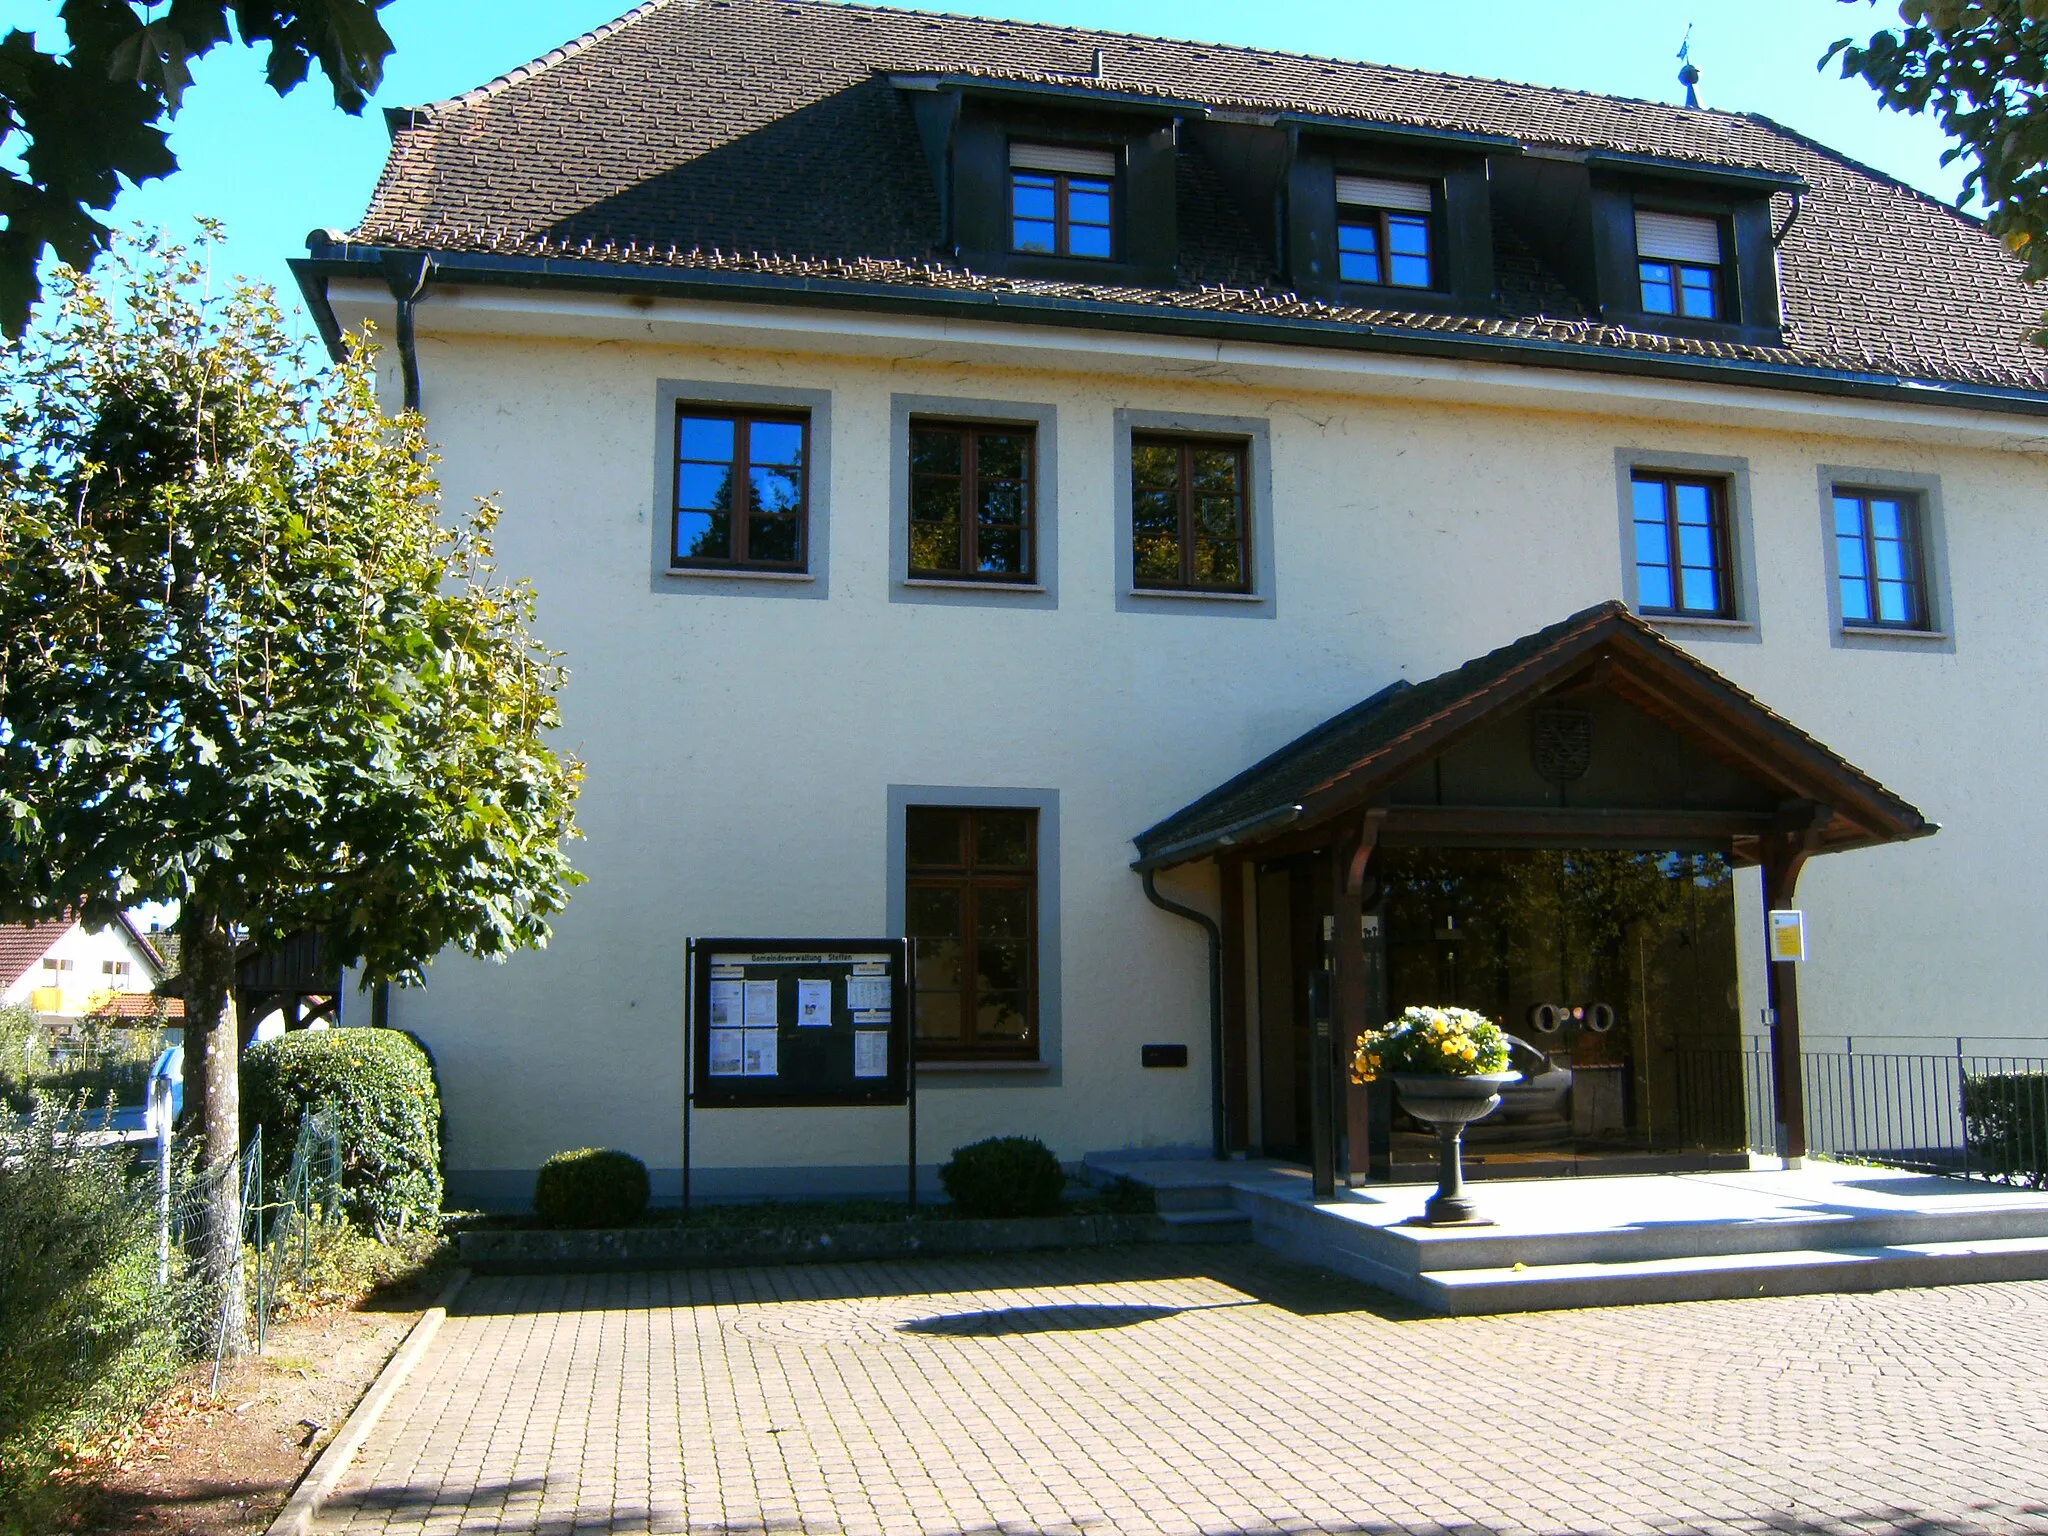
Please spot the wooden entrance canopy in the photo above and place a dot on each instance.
(1596, 732)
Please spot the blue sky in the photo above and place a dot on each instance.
(275, 169)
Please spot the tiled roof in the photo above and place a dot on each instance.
(1374, 729)
(763, 137)
(23, 944)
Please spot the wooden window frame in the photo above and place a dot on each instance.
(1187, 444)
(1677, 271)
(1356, 216)
(971, 433)
(1721, 533)
(968, 879)
(744, 421)
(1061, 223)
(1913, 524)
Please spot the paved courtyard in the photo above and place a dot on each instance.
(1197, 1390)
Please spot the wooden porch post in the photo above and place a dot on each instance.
(1784, 855)
(1236, 1047)
(1351, 857)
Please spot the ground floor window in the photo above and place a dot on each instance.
(971, 904)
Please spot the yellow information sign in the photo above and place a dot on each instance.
(1788, 935)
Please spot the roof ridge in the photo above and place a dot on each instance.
(1267, 53)
(550, 59)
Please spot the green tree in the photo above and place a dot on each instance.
(1981, 68)
(243, 665)
(81, 120)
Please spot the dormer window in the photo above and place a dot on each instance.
(1678, 257)
(1062, 201)
(1383, 232)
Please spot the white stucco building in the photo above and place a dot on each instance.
(945, 450)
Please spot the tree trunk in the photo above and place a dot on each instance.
(213, 1056)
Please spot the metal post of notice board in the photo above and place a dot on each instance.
(797, 1023)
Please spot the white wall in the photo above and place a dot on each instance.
(740, 747)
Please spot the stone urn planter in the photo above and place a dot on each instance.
(1449, 1104)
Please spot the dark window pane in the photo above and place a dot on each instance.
(772, 539)
(776, 490)
(1003, 914)
(999, 964)
(705, 437)
(1217, 516)
(1002, 840)
(1002, 502)
(1702, 592)
(1893, 603)
(776, 442)
(1408, 251)
(1659, 292)
(1000, 552)
(1029, 235)
(1653, 544)
(1156, 559)
(703, 536)
(704, 487)
(1215, 470)
(1855, 600)
(1353, 267)
(1086, 240)
(1155, 465)
(1031, 196)
(935, 501)
(1003, 455)
(934, 451)
(1001, 1015)
(934, 838)
(1891, 560)
(935, 547)
(1088, 202)
(1851, 553)
(938, 1013)
(1697, 296)
(1155, 512)
(1218, 565)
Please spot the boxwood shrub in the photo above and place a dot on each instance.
(1004, 1176)
(590, 1187)
(380, 1087)
(2005, 1116)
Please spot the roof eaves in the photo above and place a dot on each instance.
(355, 258)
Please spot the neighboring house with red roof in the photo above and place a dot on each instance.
(63, 970)
(976, 471)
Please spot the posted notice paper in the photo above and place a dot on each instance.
(866, 994)
(870, 1053)
(814, 1003)
(760, 1053)
(761, 1005)
(728, 1053)
(725, 1004)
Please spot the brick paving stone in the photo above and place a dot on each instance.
(1198, 1392)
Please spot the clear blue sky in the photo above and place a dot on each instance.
(274, 169)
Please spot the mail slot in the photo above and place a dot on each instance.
(1163, 1055)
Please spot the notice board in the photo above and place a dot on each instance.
(799, 1022)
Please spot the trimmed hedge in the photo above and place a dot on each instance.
(380, 1087)
(590, 1187)
(1005, 1176)
(2005, 1117)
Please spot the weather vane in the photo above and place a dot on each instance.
(1688, 72)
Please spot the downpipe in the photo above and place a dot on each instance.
(407, 276)
(1218, 1131)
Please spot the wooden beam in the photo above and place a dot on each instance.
(1412, 824)
(1351, 856)
(1784, 854)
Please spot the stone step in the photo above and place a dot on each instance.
(1787, 1272)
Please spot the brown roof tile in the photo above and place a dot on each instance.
(762, 136)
